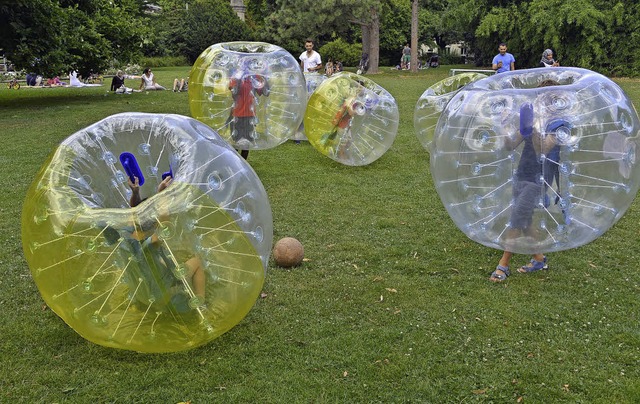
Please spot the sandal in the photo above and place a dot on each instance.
(534, 266)
(499, 277)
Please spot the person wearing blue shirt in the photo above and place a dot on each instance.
(503, 61)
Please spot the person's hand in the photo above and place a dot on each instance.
(499, 65)
(135, 185)
(165, 183)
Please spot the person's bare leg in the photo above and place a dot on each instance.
(196, 277)
(505, 260)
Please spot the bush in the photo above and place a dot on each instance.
(6, 76)
(130, 69)
(447, 59)
(205, 24)
(348, 54)
(164, 61)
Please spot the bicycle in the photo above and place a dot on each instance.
(13, 84)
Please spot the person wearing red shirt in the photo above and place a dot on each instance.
(245, 91)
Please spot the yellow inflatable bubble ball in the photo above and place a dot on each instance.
(433, 101)
(351, 119)
(252, 93)
(147, 232)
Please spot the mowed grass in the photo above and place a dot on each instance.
(392, 304)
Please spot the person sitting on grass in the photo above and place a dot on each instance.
(148, 81)
(180, 85)
(117, 84)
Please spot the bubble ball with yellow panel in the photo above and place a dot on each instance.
(172, 273)
(351, 119)
(252, 93)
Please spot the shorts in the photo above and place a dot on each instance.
(242, 128)
(526, 197)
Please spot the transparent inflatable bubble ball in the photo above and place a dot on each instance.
(537, 160)
(313, 80)
(432, 102)
(252, 93)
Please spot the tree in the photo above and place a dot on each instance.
(369, 20)
(29, 35)
(48, 37)
(414, 36)
(323, 20)
(257, 10)
(205, 23)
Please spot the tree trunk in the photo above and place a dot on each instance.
(374, 41)
(414, 36)
(366, 39)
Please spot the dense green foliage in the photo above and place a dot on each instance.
(601, 35)
(50, 36)
(392, 305)
(348, 54)
(190, 31)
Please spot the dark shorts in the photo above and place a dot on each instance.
(526, 197)
(242, 128)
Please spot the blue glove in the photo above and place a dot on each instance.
(526, 120)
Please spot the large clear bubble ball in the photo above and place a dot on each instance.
(432, 102)
(252, 93)
(351, 119)
(173, 272)
(313, 81)
(537, 160)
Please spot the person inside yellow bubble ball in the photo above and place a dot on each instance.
(342, 122)
(245, 89)
(195, 273)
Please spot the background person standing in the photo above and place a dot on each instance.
(310, 60)
(406, 57)
(503, 61)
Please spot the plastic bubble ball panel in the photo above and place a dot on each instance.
(252, 93)
(432, 102)
(351, 119)
(130, 278)
(579, 188)
(312, 80)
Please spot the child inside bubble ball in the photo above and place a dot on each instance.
(342, 122)
(527, 187)
(194, 269)
(245, 89)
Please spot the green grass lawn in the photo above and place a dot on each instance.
(393, 303)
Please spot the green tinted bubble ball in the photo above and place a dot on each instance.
(351, 119)
(173, 272)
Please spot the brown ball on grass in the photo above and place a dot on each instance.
(288, 252)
